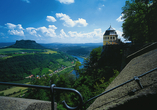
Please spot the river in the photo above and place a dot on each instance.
(81, 61)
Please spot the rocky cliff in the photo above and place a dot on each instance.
(27, 44)
(124, 98)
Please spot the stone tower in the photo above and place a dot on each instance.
(110, 37)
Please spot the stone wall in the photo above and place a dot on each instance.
(140, 99)
(10, 103)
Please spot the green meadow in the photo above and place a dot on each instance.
(13, 50)
(61, 61)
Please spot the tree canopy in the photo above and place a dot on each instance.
(140, 20)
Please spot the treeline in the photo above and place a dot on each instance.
(92, 80)
(18, 67)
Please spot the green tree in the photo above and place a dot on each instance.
(140, 20)
(76, 68)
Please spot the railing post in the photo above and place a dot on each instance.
(138, 81)
(52, 96)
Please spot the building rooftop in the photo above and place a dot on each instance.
(110, 28)
(110, 31)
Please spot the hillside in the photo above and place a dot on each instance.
(18, 63)
(28, 44)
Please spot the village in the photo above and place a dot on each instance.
(55, 72)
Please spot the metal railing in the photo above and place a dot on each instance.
(53, 88)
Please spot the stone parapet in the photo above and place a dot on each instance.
(10, 103)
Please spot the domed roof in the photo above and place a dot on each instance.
(110, 31)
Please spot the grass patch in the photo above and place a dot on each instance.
(50, 71)
(35, 71)
(12, 90)
(66, 63)
(45, 71)
(48, 51)
(60, 60)
(19, 94)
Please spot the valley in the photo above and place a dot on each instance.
(63, 66)
(22, 65)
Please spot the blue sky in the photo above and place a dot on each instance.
(62, 21)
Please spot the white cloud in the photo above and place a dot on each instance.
(42, 31)
(63, 34)
(52, 27)
(71, 23)
(119, 19)
(96, 34)
(31, 30)
(66, 1)
(15, 29)
(50, 19)
(10, 26)
(16, 32)
(26, 1)
(85, 37)
(120, 35)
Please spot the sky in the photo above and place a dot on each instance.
(59, 21)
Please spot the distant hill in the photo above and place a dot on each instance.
(27, 44)
(82, 49)
(60, 45)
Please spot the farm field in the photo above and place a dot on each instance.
(12, 90)
(13, 50)
(24, 51)
(19, 94)
(48, 51)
